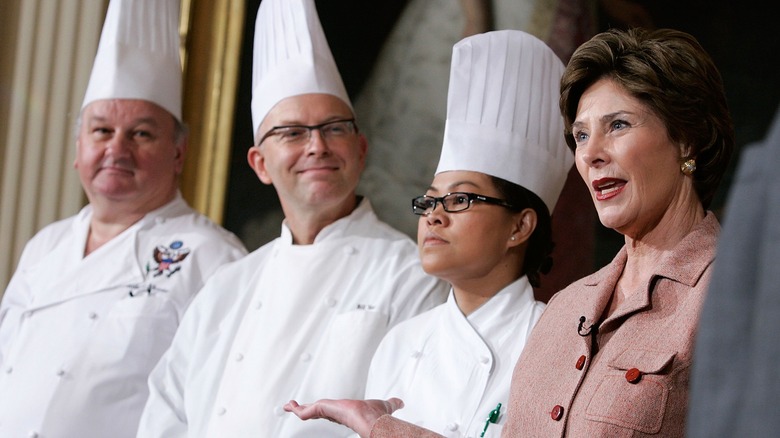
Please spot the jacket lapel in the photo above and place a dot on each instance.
(65, 274)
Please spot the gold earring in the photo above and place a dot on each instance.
(688, 167)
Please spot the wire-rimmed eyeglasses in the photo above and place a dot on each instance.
(453, 202)
(301, 134)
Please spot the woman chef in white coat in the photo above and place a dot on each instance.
(484, 227)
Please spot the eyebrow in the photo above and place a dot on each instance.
(138, 121)
(456, 184)
(605, 118)
(293, 122)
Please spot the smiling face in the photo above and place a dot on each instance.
(470, 245)
(127, 152)
(624, 155)
(320, 173)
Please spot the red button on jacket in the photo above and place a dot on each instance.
(633, 375)
(557, 412)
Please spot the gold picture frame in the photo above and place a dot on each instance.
(211, 35)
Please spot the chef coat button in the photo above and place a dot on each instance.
(305, 357)
(92, 315)
(580, 362)
(349, 250)
(159, 220)
(9, 370)
(278, 411)
(239, 357)
(633, 375)
(32, 434)
(60, 372)
(416, 354)
(330, 302)
(557, 412)
(484, 360)
(259, 305)
(452, 427)
(221, 411)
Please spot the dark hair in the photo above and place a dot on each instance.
(538, 258)
(672, 75)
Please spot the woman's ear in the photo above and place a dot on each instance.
(524, 226)
(685, 151)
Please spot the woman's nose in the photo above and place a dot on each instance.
(593, 153)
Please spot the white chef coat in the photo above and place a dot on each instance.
(452, 370)
(76, 347)
(287, 322)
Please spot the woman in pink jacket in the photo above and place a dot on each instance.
(646, 116)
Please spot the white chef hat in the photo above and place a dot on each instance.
(138, 55)
(291, 57)
(502, 113)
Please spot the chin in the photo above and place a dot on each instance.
(611, 218)
(433, 265)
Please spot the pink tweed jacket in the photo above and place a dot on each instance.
(636, 383)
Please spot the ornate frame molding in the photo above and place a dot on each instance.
(211, 58)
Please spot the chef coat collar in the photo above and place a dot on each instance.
(509, 303)
(350, 225)
(176, 207)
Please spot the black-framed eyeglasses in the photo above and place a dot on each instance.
(294, 135)
(453, 202)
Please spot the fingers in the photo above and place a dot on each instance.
(301, 411)
(393, 404)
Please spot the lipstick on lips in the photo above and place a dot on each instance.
(608, 188)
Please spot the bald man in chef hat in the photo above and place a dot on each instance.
(302, 315)
(97, 297)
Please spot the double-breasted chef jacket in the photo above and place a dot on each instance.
(637, 383)
(79, 335)
(287, 322)
(452, 370)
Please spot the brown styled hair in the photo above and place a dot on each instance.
(675, 78)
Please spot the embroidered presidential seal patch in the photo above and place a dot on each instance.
(168, 258)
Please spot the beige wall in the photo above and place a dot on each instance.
(46, 53)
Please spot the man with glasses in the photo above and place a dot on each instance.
(301, 316)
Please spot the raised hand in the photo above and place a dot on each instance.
(358, 415)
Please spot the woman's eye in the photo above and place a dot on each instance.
(580, 136)
(618, 125)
